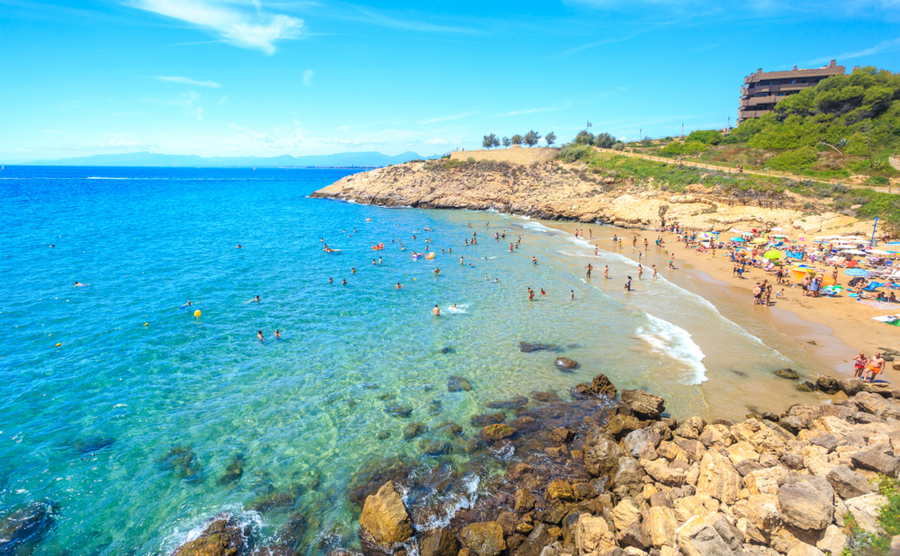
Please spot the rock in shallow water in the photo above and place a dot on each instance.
(223, 537)
(458, 384)
(384, 520)
(787, 373)
(22, 529)
(644, 404)
(494, 433)
(526, 347)
(566, 364)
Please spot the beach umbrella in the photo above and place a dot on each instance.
(878, 252)
(760, 240)
(773, 254)
(740, 231)
(856, 272)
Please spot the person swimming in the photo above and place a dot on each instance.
(399, 286)
(188, 304)
(344, 282)
(436, 311)
(239, 246)
(256, 299)
(533, 260)
(436, 271)
(277, 333)
(259, 335)
(80, 285)
(331, 280)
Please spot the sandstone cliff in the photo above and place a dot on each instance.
(556, 191)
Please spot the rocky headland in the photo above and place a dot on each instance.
(554, 190)
(610, 473)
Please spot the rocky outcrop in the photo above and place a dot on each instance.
(22, 529)
(561, 191)
(224, 536)
(384, 520)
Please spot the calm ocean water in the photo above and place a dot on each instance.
(91, 425)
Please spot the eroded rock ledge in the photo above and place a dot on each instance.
(600, 477)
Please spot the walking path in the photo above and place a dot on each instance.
(765, 173)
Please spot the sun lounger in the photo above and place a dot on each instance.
(873, 286)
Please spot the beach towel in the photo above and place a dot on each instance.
(886, 319)
(879, 304)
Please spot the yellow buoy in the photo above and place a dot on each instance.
(146, 324)
(58, 345)
(197, 313)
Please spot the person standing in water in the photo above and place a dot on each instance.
(628, 284)
(589, 268)
(640, 272)
(572, 295)
(260, 336)
(277, 333)
(606, 271)
(436, 311)
(654, 271)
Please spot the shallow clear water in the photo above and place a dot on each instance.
(89, 424)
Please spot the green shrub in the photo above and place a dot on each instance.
(618, 146)
(879, 180)
(796, 159)
(707, 137)
(861, 543)
(676, 148)
(573, 153)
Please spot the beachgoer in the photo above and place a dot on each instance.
(672, 263)
(344, 282)
(859, 365)
(530, 294)
(379, 260)
(874, 367)
(436, 271)
(373, 262)
(571, 294)
(628, 284)
(640, 270)
(589, 268)
(239, 246)
(533, 260)
(460, 261)
(606, 271)
(260, 336)
(543, 292)
(757, 292)
(654, 271)
(596, 252)
(353, 270)
(436, 311)
(79, 284)
(331, 280)
(277, 333)
(399, 285)
(646, 244)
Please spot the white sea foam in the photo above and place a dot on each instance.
(452, 504)
(674, 342)
(459, 309)
(247, 520)
(105, 178)
(538, 227)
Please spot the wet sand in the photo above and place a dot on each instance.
(828, 331)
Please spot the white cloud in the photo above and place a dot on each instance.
(438, 142)
(200, 113)
(448, 118)
(884, 46)
(253, 29)
(186, 99)
(188, 81)
(308, 78)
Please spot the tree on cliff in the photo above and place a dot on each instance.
(550, 139)
(584, 138)
(604, 140)
(516, 139)
(506, 142)
(531, 138)
(490, 141)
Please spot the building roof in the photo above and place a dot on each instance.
(825, 71)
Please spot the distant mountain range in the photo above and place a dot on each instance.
(194, 161)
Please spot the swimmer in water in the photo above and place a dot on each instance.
(256, 299)
(453, 307)
(572, 294)
(437, 271)
(353, 270)
(654, 271)
(436, 311)
(496, 280)
(80, 285)
(399, 286)
(277, 333)
(543, 292)
(239, 246)
(344, 282)
(379, 260)
(461, 261)
(260, 336)
(331, 280)
(533, 260)
(530, 294)
(373, 262)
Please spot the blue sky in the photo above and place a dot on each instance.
(265, 78)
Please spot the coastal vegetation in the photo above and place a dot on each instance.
(531, 139)
(845, 126)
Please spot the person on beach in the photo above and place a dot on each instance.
(672, 263)
(874, 367)
(436, 311)
(596, 251)
(654, 271)
(768, 295)
(589, 268)
(757, 292)
(859, 365)
(534, 260)
(572, 295)
(640, 272)
(628, 284)
(530, 294)
(646, 244)
(606, 271)
(259, 335)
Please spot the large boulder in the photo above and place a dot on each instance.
(439, 542)
(592, 534)
(642, 443)
(662, 473)
(865, 510)
(787, 373)
(661, 525)
(719, 478)
(22, 529)
(601, 386)
(847, 483)
(539, 537)
(493, 433)
(601, 453)
(876, 460)
(828, 385)
(807, 502)
(644, 404)
(483, 538)
(224, 536)
(384, 520)
(566, 364)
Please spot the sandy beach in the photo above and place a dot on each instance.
(831, 330)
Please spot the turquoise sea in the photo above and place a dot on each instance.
(129, 425)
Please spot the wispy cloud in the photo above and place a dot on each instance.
(381, 20)
(252, 28)
(884, 46)
(308, 78)
(188, 81)
(530, 111)
(447, 118)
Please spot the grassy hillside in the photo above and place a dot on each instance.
(847, 125)
(858, 202)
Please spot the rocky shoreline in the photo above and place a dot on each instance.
(610, 474)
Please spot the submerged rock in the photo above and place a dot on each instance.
(458, 384)
(517, 402)
(566, 364)
(449, 428)
(376, 473)
(526, 347)
(413, 430)
(399, 411)
(183, 463)
(383, 435)
(787, 373)
(92, 445)
(223, 537)
(545, 397)
(22, 529)
(234, 471)
(434, 407)
(488, 419)
(493, 433)
(601, 386)
(434, 447)
(384, 520)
